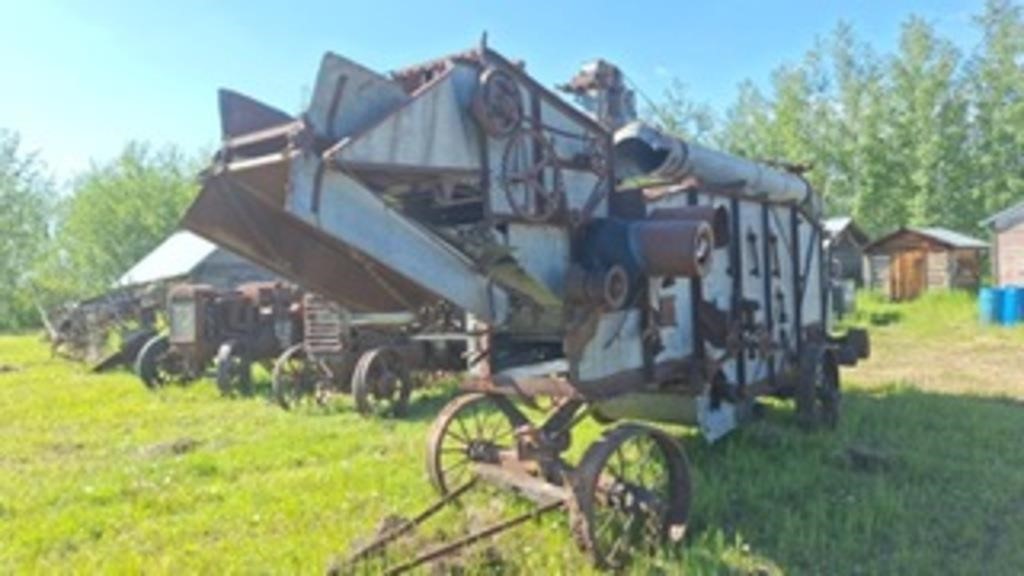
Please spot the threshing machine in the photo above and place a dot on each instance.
(622, 272)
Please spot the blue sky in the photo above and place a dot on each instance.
(79, 79)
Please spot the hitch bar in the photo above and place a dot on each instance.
(548, 499)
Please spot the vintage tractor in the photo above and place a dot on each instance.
(615, 270)
(371, 356)
(232, 329)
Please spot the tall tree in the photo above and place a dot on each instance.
(682, 116)
(118, 211)
(928, 121)
(996, 87)
(26, 197)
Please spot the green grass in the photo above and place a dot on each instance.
(924, 475)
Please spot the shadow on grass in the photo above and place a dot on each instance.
(911, 482)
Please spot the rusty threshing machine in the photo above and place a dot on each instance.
(622, 272)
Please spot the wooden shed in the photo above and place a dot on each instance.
(845, 242)
(1007, 245)
(910, 261)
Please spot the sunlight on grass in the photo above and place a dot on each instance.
(98, 474)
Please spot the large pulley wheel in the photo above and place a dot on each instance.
(381, 383)
(149, 364)
(631, 493)
(473, 428)
(532, 176)
(234, 370)
(818, 394)
(497, 104)
(294, 377)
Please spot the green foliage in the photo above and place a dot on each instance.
(922, 136)
(118, 212)
(26, 195)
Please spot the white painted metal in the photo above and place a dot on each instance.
(431, 132)
(683, 159)
(362, 220)
(348, 98)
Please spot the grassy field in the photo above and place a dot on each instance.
(924, 476)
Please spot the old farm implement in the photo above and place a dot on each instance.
(84, 331)
(372, 356)
(620, 272)
(229, 328)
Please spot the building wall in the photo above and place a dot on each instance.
(938, 272)
(1010, 255)
(965, 269)
(877, 272)
(850, 259)
(226, 270)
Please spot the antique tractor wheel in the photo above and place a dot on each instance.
(381, 383)
(294, 377)
(471, 428)
(818, 395)
(234, 370)
(151, 363)
(631, 493)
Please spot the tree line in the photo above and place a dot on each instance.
(925, 135)
(59, 247)
(928, 135)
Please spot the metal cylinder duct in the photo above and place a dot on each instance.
(672, 247)
(716, 216)
(644, 151)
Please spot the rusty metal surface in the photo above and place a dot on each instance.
(672, 247)
(298, 252)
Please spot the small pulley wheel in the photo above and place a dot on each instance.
(497, 104)
(531, 176)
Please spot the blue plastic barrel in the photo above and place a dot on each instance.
(990, 304)
(1013, 296)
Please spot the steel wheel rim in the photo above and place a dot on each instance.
(292, 378)
(471, 429)
(631, 495)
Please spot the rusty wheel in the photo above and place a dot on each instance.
(631, 493)
(471, 428)
(381, 383)
(151, 366)
(234, 371)
(497, 104)
(531, 176)
(818, 395)
(294, 377)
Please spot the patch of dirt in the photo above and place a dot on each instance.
(983, 365)
(5, 368)
(173, 448)
(860, 458)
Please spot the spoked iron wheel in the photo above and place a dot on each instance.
(234, 371)
(151, 365)
(818, 394)
(381, 383)
(631, 494)
(294, 378)
(471, 428)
